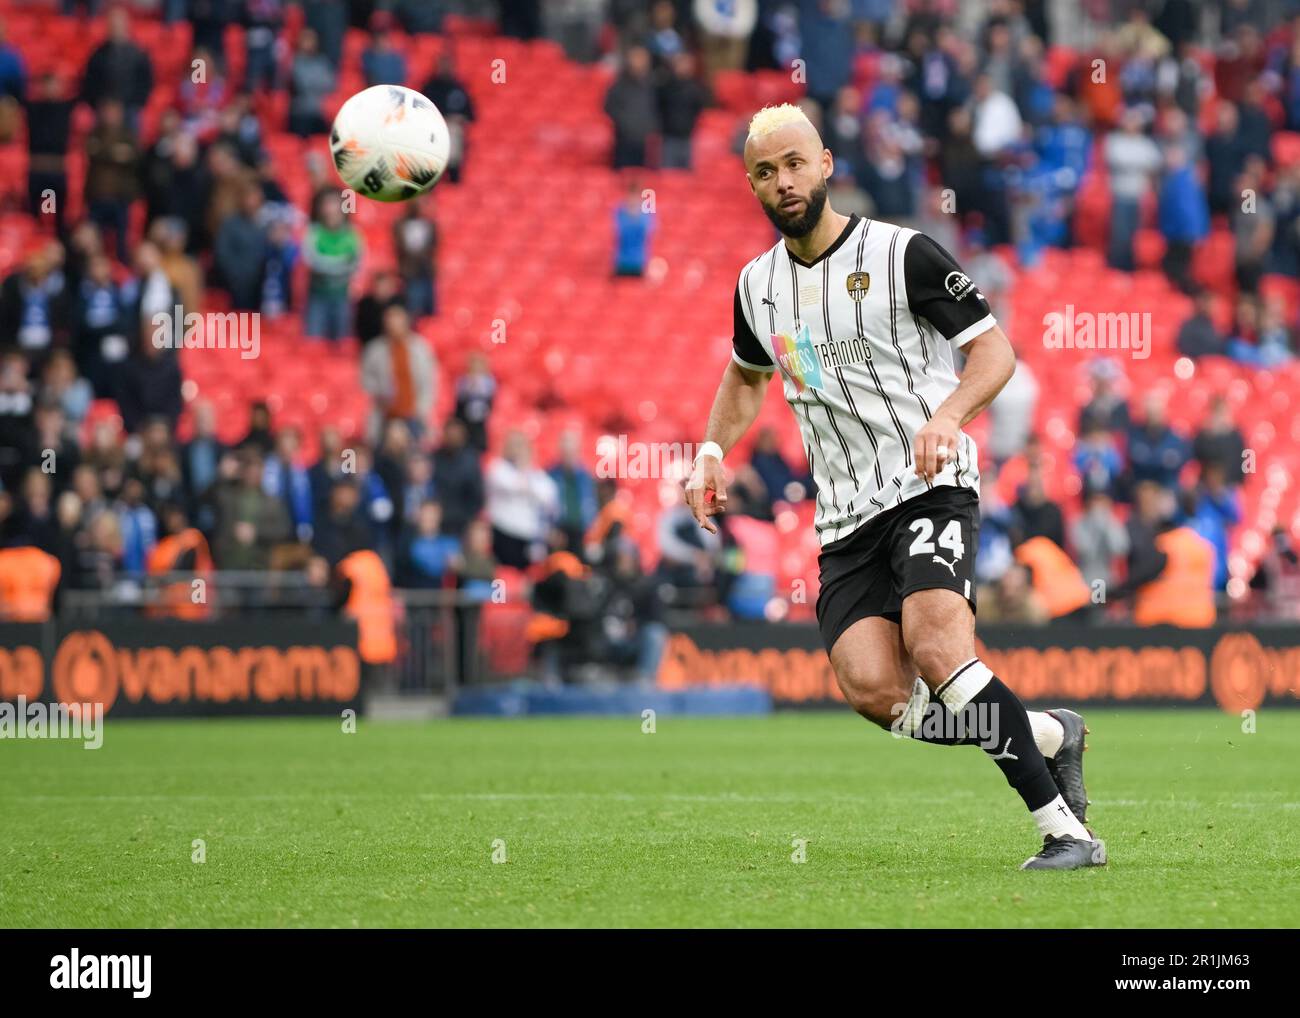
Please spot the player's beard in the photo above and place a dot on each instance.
(802, 224)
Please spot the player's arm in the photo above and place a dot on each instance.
(990, 363)
(944, 296)
(735, 408)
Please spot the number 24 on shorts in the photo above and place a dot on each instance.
(950, 538)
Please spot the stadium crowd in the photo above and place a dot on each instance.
(913, 98)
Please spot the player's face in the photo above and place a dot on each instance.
(787, 172)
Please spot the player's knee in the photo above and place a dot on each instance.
(934, 658)
(877, 699)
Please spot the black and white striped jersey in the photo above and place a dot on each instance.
(863, 338)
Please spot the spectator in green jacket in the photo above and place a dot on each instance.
(332, 251)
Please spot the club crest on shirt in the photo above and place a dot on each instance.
(797, 358)
(858, 283)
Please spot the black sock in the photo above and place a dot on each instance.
(939, 726)
(1004, 727)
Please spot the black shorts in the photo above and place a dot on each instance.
(929, 541)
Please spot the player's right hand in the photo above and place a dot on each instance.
(706, 478)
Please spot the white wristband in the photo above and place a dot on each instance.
(709, 449)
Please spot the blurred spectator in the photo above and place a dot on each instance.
(1013, 599)
(259, 436)
(399, 372)
(632, 105)
(33, 516)
(381, 62)
(119, 70)
(49, 120)
(249, 521)
(997, 524)
(242, 251)
(457, 477)
(17, 406)
(681, 101)
(102, 327)
(1243, 342)
(427, 555)
(182, 272)
(415, 241)
(772, 468)
(1181, 593)
(311, 79)
(1278, 575)
(262, 21)
(1276, 342)
(13, 72)
(447, 92)
(689, 556)
(1099, 462)
(1132, 159)
(34, 302)
(1198, 336)
(521, 502)
(1151, 515)
(1220, 442)
(61, 386)
(340, 530)
(112, 169)
(1184, 217)
(725, 27)
(1099, 540)
(633, 225)
(201, 454)
(328, 20)
(1253, 223)
(385, 292)
(1036, 515)
(475, 392)
(332, 252)
(632, 627)
(202, 94)
(995, 119)
(1011, 414)
(52, 448)
(282, 253)
(1212, 509)
(576, 490)
(416, 483)
(1156, 452)
(137, 525)
(150, 385)
(1225, 155)
(284, 477)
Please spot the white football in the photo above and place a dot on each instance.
(389, 143)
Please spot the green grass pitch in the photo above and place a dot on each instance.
(602, 825)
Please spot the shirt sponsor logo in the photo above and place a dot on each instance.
(797, 358)
(959, 285)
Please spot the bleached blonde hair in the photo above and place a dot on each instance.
(773, 118)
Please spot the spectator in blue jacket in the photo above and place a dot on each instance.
(1212, 509)
(576, 488)
(1156, 451)
(1184, 216)
(633, 225)
(1098, 461)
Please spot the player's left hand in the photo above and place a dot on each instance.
(934, 445)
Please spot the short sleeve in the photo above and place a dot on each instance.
(941, 293)
(746, 350)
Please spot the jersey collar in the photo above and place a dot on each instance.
(849, 227)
